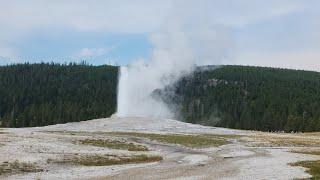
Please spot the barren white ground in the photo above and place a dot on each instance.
(252, 156)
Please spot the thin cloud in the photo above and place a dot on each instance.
(94, 52)
(303, 60)
(22, 19)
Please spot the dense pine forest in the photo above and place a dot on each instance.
(254, 98)
(239, 97)
(44, 94)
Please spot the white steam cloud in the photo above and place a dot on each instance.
(177, 49)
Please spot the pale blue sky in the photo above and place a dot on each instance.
(280, 33)
(105, 47)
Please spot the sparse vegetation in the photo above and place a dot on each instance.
(18, 167)
(313, 168)
(308, 152)
(196, 141)
(114, 144)
(199, 141)
(106, 160)
(275, 140)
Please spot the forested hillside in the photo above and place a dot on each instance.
(43, 94)
(240, 97)
(255, 98)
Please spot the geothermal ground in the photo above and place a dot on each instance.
(148, 148)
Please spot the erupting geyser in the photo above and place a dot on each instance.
(177, 48)
(135, 88)
(122, 94)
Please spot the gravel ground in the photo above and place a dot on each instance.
(249, 155)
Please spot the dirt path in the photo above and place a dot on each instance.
(247, 155)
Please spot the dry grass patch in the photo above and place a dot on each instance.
(276, 140)
(4, 131)
(313, 168)
(198, 141)
(106, 160)
(74, 133)
(308, 152)
(18, 167)
(114, 144)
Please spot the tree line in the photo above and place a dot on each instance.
(240, 97)
(255, 98)
(50, 93)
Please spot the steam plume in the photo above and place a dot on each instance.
(178, 48)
